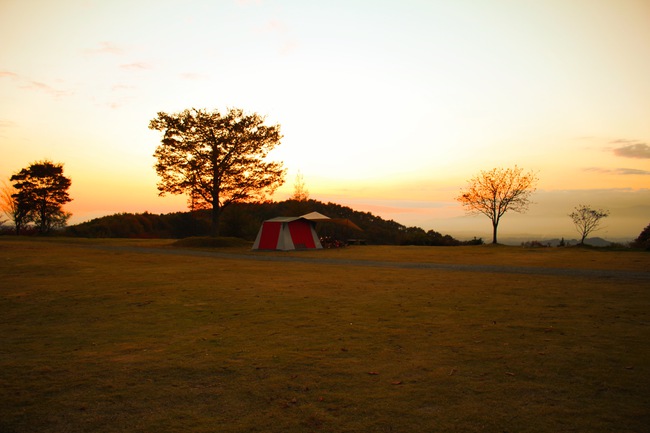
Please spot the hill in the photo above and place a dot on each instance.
(243, 221)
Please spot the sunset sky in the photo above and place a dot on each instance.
(386, 106)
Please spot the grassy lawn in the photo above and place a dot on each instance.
(119, 341)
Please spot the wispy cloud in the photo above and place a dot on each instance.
(282, 32)
(192, 76)
(46, 88)
(7, 74)
(136, 66)
(29, 84)
(619, 171)
(105, 48)
(631, 149)
(122, 87)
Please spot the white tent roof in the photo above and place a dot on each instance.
(315, 216)
(318, 217)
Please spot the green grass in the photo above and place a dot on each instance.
(114, 340)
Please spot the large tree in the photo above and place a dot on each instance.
(216, 159)
(41, 192)
(586, 220)
(497, 191)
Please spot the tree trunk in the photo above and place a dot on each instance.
(214, 227)
(494, 232)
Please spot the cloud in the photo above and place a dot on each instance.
(135, 66)
(8, 74)
(619, 171)
(29, 84)
(286, 44)
(634, 171)
(46, 88)
(632, 149)
(105, 48)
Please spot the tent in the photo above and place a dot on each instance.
(287, 233)
(293, 233)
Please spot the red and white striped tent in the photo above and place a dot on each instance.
(293, 233)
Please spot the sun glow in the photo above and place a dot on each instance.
(391, 107)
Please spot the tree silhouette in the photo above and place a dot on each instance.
(587, 220)
(42, 190)
(216, 159)
(643, 240)
(497, 191)
(8, 204)
(300, 191)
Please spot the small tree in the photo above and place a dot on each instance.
(8, 204)
(497, 191)
(42, 190)
(216, 159)
(587, 220)
(300, 192)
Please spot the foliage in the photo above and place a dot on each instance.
(144, 225)
(497, 191)
(417, 236)
(587, 220)
(643, 240)
(7, 202)
(41, 191)
(216, 159)
(243, 220)
(300, 191)
(535, 244)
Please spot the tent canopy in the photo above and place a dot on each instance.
(290, 233)
(319, 217)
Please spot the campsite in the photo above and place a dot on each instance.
(114, 335)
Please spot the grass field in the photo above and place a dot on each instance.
(105, 336)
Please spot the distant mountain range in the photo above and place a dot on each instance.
(594, 242)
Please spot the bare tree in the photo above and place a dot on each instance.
(587, 220)
(497, 191)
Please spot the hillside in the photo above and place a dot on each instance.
(243, 220)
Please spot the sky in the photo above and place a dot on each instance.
(387, 107)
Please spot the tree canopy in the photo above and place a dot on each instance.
(42, 190)
(497, 191)
(643, 240)
(216, 159)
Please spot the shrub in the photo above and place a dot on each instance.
(643, 241)
(534, 244)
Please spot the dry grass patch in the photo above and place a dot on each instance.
(114, 341)
(571, 257)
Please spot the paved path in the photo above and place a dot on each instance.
(614, 274)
